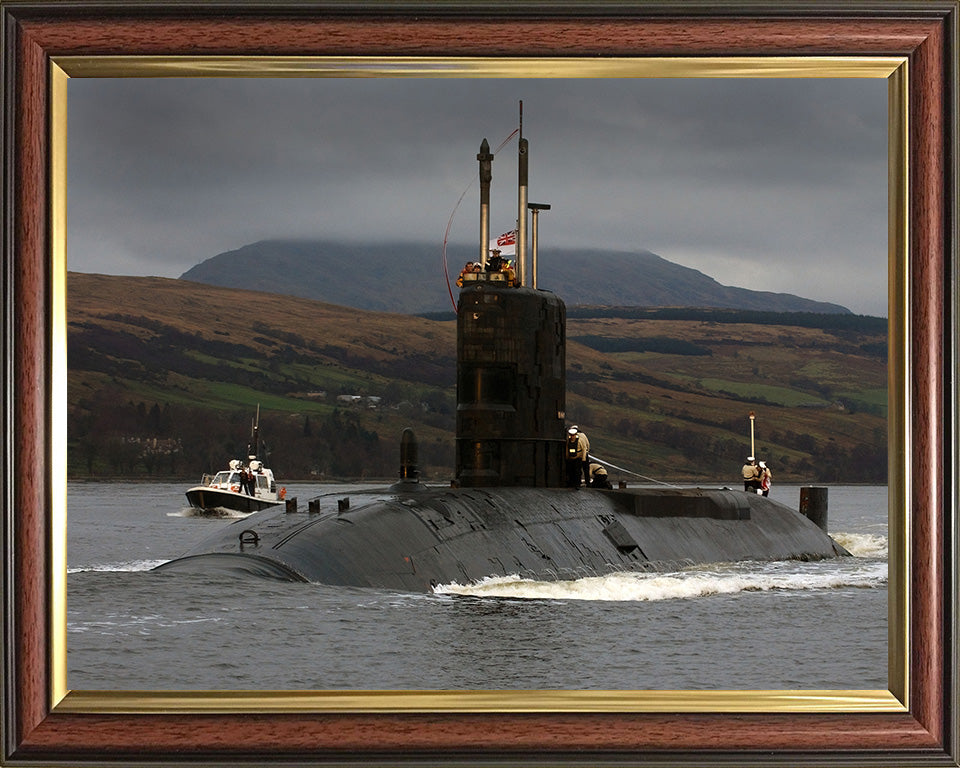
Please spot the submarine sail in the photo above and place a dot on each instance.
(510, 387)
(507, 511)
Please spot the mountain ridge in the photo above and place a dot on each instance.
(408, 277)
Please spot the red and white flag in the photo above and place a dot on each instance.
(505, 243)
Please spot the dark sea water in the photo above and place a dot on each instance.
(787, 625)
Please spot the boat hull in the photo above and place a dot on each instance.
(415, 541)
(209, 499)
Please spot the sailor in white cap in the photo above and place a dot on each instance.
(751, 475)
(577, 457)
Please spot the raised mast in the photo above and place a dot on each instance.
(522, 173)
(486, 174)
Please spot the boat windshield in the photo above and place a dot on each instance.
(225, 478)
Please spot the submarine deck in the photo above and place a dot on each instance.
(412, 537)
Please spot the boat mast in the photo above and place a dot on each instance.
(254, 447)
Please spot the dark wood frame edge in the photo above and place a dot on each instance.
(925, 32)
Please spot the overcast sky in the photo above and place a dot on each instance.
(774, 185)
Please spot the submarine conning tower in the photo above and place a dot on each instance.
(510, 386)
(511, 365)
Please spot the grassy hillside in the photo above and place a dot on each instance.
(165, 376)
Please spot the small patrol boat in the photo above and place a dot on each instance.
(239, 488)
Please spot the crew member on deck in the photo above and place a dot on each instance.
(598, 476)
(578, 462)
(751, 475)
(766, 478)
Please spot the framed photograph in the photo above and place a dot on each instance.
(912, 47)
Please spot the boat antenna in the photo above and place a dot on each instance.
(254, 447)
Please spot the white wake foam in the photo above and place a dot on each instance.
(862, 544)
(231, 514)
(128, 567)
(672, 586)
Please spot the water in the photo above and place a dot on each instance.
(787, 625)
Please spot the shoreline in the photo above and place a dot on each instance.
(734, 484)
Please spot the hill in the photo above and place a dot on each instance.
(164, 377)
(408, 278)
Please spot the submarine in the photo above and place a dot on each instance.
(509, 510)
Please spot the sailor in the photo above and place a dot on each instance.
(468, 267)
(571, 462)
(495, 262)
(578, 462)
(766, 478)
(598, 476)
(751, 475)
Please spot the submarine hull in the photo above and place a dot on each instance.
(414, 541)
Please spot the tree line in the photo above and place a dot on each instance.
(110, 437)
(827, 321)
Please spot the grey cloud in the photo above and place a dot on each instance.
(779, 174)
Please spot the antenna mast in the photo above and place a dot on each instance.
(522, 207)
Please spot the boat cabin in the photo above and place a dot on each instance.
(231, 480)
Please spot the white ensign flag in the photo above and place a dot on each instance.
(506, 243)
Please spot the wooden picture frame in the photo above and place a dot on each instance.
(41, 725)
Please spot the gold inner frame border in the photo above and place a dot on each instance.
(893, 69)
